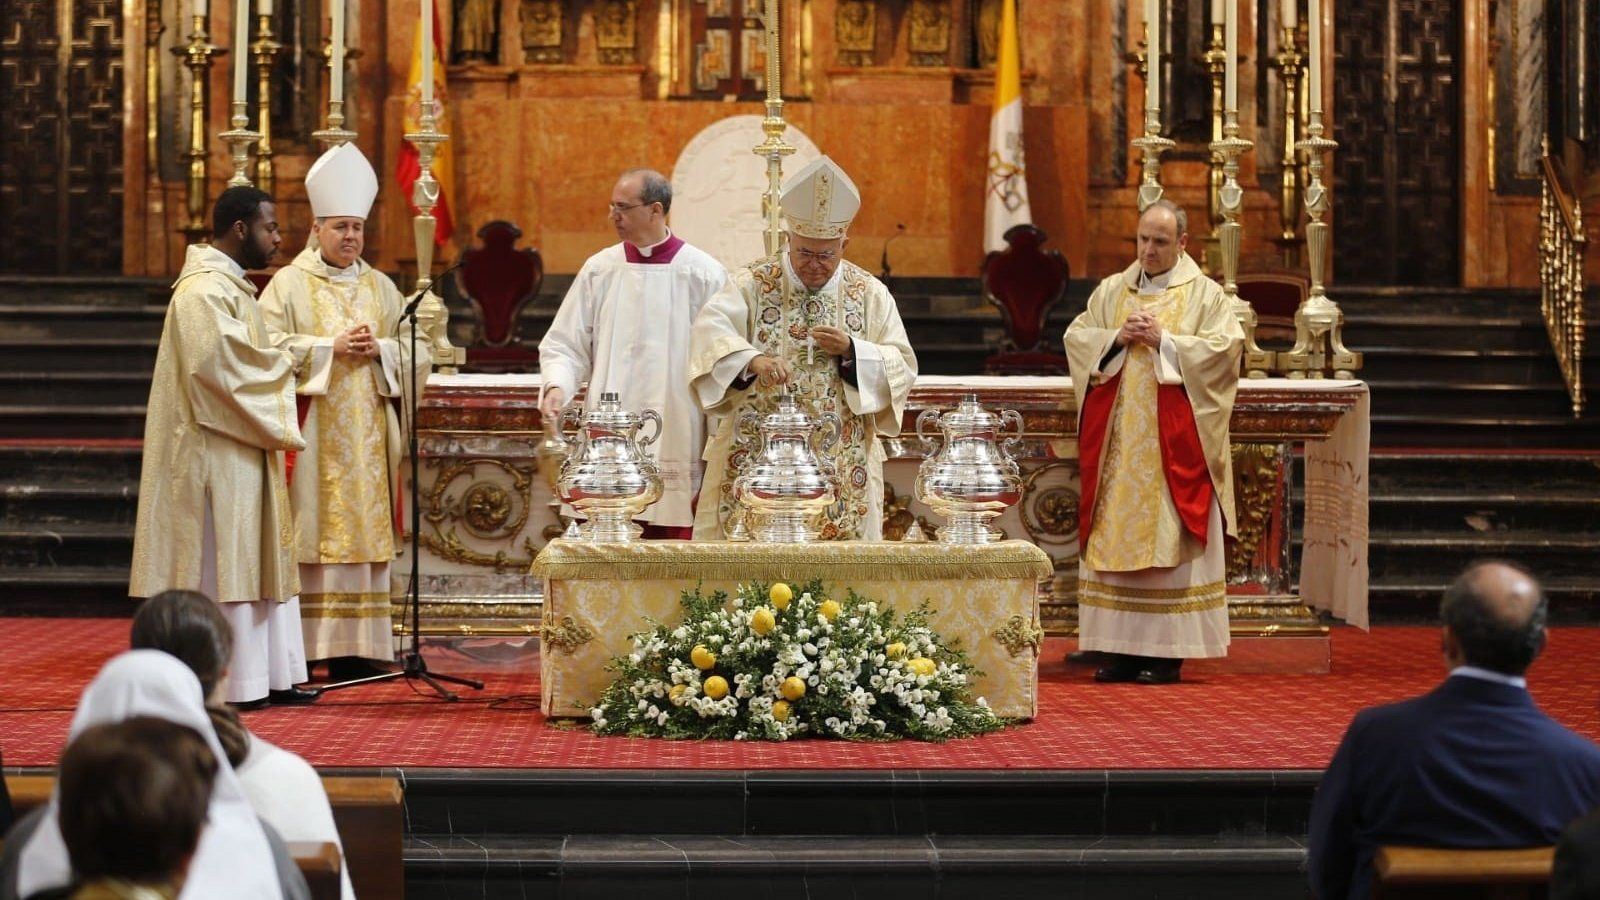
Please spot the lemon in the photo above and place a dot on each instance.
(702, 658)
(829, 609)
(792, 688)
(780, 710)
(762, 621)
(780, 594)
(716, 687)
(921, 665)
(895, 650)
(676, 694)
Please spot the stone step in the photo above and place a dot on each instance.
(75, 591)
(48, 321)
(67, 544)
(125, 354)
(1508, 431)
(26, 462)
(69, 421)
(1498, 470)
(803, 866)
(77, 387)
(38, 504)
(1471, 399)
(1413, 598)
(1441, 555)
(70, 290)
(1489, 511)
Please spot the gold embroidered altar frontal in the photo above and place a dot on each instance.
(597, 596)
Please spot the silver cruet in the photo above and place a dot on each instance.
(607, 476)
(783, 488)
(972, 479)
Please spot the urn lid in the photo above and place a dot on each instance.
(969, 415)
(608, 412)
(787, 418)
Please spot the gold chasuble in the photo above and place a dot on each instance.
(765, 308)
(345, 483)
(221, 411)
(1156, 465)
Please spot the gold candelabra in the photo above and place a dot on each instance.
(774, 148)
(335, 133)
(239, 138)
(1230, 199)
(153, 28)
(1215, 60)
(425, 196)
(1151, 143)
(1291, 65)
(265, 52)
(197, 56)
(1318, 323)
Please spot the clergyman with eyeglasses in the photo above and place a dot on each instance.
(810, 321)
(624, 327)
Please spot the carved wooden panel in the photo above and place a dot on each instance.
(60, 136)
(1397, 96)
(729, 54)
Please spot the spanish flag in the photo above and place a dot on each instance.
(1006, 197)
(409, 167)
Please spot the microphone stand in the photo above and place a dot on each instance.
(412, 666)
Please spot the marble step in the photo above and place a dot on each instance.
(36, 503)
(38, 320)
(117, 387)
(92, 290)
(136, 353)
(77, 591)
(81, 544)
(1407, 598)
(1508, 431)
(73, 421)
(581, 866)
(69, 462)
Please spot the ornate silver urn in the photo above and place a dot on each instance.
(606, 475)
(784, 487)
(972, 479)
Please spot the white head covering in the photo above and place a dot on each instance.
(820, 200)
(234, 858)
(341, 183)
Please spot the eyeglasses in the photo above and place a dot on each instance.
(618, 209)
(825, 257)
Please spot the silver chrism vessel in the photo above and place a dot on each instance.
(972, 479)
(783, 488)
(607, 475)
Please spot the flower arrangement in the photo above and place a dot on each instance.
(769, 664)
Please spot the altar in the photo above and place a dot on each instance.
(487, 507)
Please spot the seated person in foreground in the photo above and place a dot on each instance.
(282, 788)
(1576, 872)
(1474, 764)
(133, 802)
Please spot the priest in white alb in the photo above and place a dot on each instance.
(823, 327)
(1155, 359)
(213, 509)
(624, 328)
(339, 318)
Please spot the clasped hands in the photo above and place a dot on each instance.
(771, 371)
(1141, 328)
(358, 341)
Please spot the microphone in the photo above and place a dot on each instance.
(416, 299)
(900, 229)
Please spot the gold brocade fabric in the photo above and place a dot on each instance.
(353, 477)
(598, 595)
(1136, 525)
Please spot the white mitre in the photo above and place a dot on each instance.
(820, 200)
(341, 183)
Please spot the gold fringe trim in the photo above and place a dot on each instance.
(835, 561)
(346, 605)
(1199, 598)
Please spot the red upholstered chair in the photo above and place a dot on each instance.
(1274, 296)
(1025, 281)
(499, 279)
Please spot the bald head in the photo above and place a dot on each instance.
(1494, 616)
(1163, 235)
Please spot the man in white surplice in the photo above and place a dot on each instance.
(624, 327)
(827, 329)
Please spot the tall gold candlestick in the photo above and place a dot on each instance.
(431, 313)
(1290, 63)
(1255, 361)
(265, 50)
(333, 132)
(197, 56)
(1318, 323)
(239, 138)
(1215, 59)
(774, 148)
(1151, 143)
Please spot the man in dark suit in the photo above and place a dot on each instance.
(1576, 874)
(1473, 764)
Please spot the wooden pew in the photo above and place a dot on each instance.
(1419, 872)
(318, 861)
(366, 810)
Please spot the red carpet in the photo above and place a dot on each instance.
(1212, 721)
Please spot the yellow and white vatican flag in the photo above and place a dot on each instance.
(1006, 199)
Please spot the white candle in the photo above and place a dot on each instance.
(427, 55)
(241, 47)
(200, 8)
(264, 8)
(336, 92)
(1216, 11)
(1230, 41)
(1290, 13)
(1314, 28)
(1152, 55)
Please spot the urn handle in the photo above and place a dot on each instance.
(1013, 444)
(830, 430)
(927, 415)
(572, 412)
(649, 415)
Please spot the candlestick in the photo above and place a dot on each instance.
(266, 55)
(1290, 64)
(1318, 323)
(1255, 361)
(196, 56)
(241, 48)
(774, 148)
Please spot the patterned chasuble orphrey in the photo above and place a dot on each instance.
(780, 330)
(1136, 525)
(353, 483)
